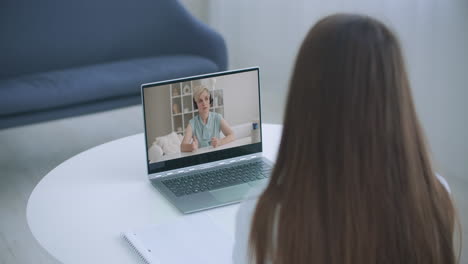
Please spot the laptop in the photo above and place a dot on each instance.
(203, 137)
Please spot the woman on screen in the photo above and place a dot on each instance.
(353, 181)
(204, 129)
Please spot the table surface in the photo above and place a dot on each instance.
(79, 210)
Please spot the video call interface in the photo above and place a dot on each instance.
(201, 115)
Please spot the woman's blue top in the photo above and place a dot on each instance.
(203, 132)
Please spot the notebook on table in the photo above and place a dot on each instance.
(211, 174)
(190, 239)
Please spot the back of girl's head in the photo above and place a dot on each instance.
(353, 182)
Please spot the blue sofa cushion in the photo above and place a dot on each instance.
(101, 81)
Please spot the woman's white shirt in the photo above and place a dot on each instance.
(243, 222)
(244, 219)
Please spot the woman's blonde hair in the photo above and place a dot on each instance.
(198, 90)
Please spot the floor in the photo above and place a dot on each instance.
(28, 153)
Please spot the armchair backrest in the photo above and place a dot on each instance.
(49, 35)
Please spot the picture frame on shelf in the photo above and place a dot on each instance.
(175, 91)
(186, 88)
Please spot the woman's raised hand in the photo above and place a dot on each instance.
(194, 143)
(214, 142)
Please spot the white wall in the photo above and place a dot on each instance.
(157, 107)
(433, 33)
(434, 36)
(240, 97)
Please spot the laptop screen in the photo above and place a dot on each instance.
(201, 119)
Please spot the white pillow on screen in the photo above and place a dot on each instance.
(155, 152)
(174, 138)
(169, 143)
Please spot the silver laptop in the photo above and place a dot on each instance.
(204, 138)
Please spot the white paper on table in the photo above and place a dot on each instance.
(193, 238)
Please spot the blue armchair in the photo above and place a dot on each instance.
(61, 58)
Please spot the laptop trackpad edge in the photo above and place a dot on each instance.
(231, 193)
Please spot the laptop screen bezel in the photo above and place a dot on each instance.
(216, 155)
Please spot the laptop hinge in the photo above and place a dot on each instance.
(204, 166)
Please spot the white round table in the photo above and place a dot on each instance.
(79, 210)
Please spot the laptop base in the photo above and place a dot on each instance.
(217, 197)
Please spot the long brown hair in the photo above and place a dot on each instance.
(353, 181)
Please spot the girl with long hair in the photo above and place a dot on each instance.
(353, 181)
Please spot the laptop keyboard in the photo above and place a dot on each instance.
(215, 179)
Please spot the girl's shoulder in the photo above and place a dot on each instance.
(444, 182)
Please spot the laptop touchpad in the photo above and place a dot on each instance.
(232, 193)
